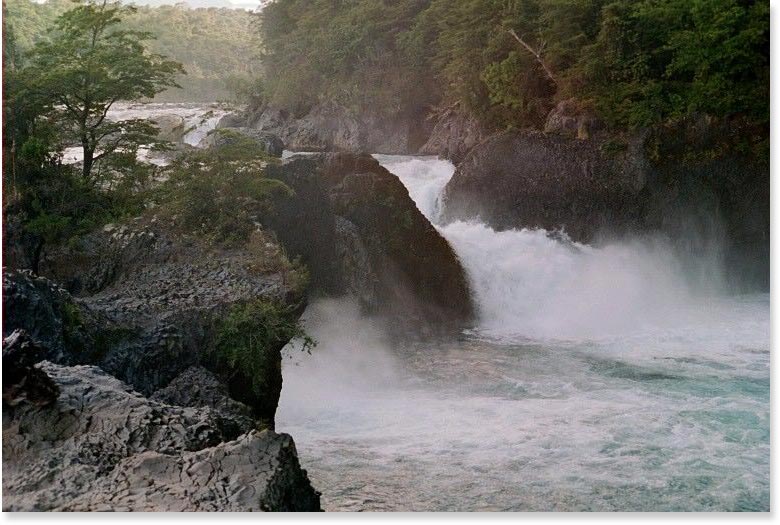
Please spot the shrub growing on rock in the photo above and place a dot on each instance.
(248, 343)
(220, 193)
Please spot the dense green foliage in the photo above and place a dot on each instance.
(220, 193)
(88, 64)
(218, 47)
(57, 95)
(637, 62)
(251, 335)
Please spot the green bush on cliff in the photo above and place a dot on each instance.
(251, 335)
(220, 193)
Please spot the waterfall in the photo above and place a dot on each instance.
(597, 378)
(530, 285)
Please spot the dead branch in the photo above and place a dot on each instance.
(537, 55)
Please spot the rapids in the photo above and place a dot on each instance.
(596, 378)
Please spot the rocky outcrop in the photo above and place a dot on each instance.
(356, 228)
(454, 134)
(185, 433)
(161, 296)
(569, 119)
(329, 127)
(691, 182)
(172, 128)
(222, 136)
(534, 180)
(50, 316)
(102, 446)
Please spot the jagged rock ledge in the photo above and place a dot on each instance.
(100, 446)
(161, 422)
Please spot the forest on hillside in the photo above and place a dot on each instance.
(219, 48)
(635, 62)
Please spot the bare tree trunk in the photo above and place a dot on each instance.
(89, 160)
(537, 55)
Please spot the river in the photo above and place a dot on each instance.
(596, 378)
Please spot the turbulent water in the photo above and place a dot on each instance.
(595, 379)
(199, 120)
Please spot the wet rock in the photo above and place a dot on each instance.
(530, 179)
(414, 276)
(691, 181)
(454, 134)
(102, 446)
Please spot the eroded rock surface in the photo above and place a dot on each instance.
(103, 446)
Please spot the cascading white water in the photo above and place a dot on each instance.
(199, 120)
(529, 285)
(597, 378)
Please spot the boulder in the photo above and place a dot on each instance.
(102, 446)
(454, 134)
(172, 127)
(405, 269)
(232, 120)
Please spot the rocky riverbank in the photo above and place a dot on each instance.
(140, 411)
(117, 386)
(694, 182)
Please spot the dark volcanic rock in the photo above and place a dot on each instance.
(162, 296)
(687, 181)
(22, 381)
(20, 248)
(533, 180)
(197, 387)
(51, 317)
(102, 446)
(407, 270)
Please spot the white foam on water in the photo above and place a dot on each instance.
(199, 121)
(597, 378)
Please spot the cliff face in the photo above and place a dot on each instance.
(161, 412)
(690, 182)
(329, 127)
(102, 446)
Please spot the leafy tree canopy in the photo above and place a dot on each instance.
(636, 62)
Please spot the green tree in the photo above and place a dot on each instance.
(88, 65)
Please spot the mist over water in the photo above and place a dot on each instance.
(597, 378)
